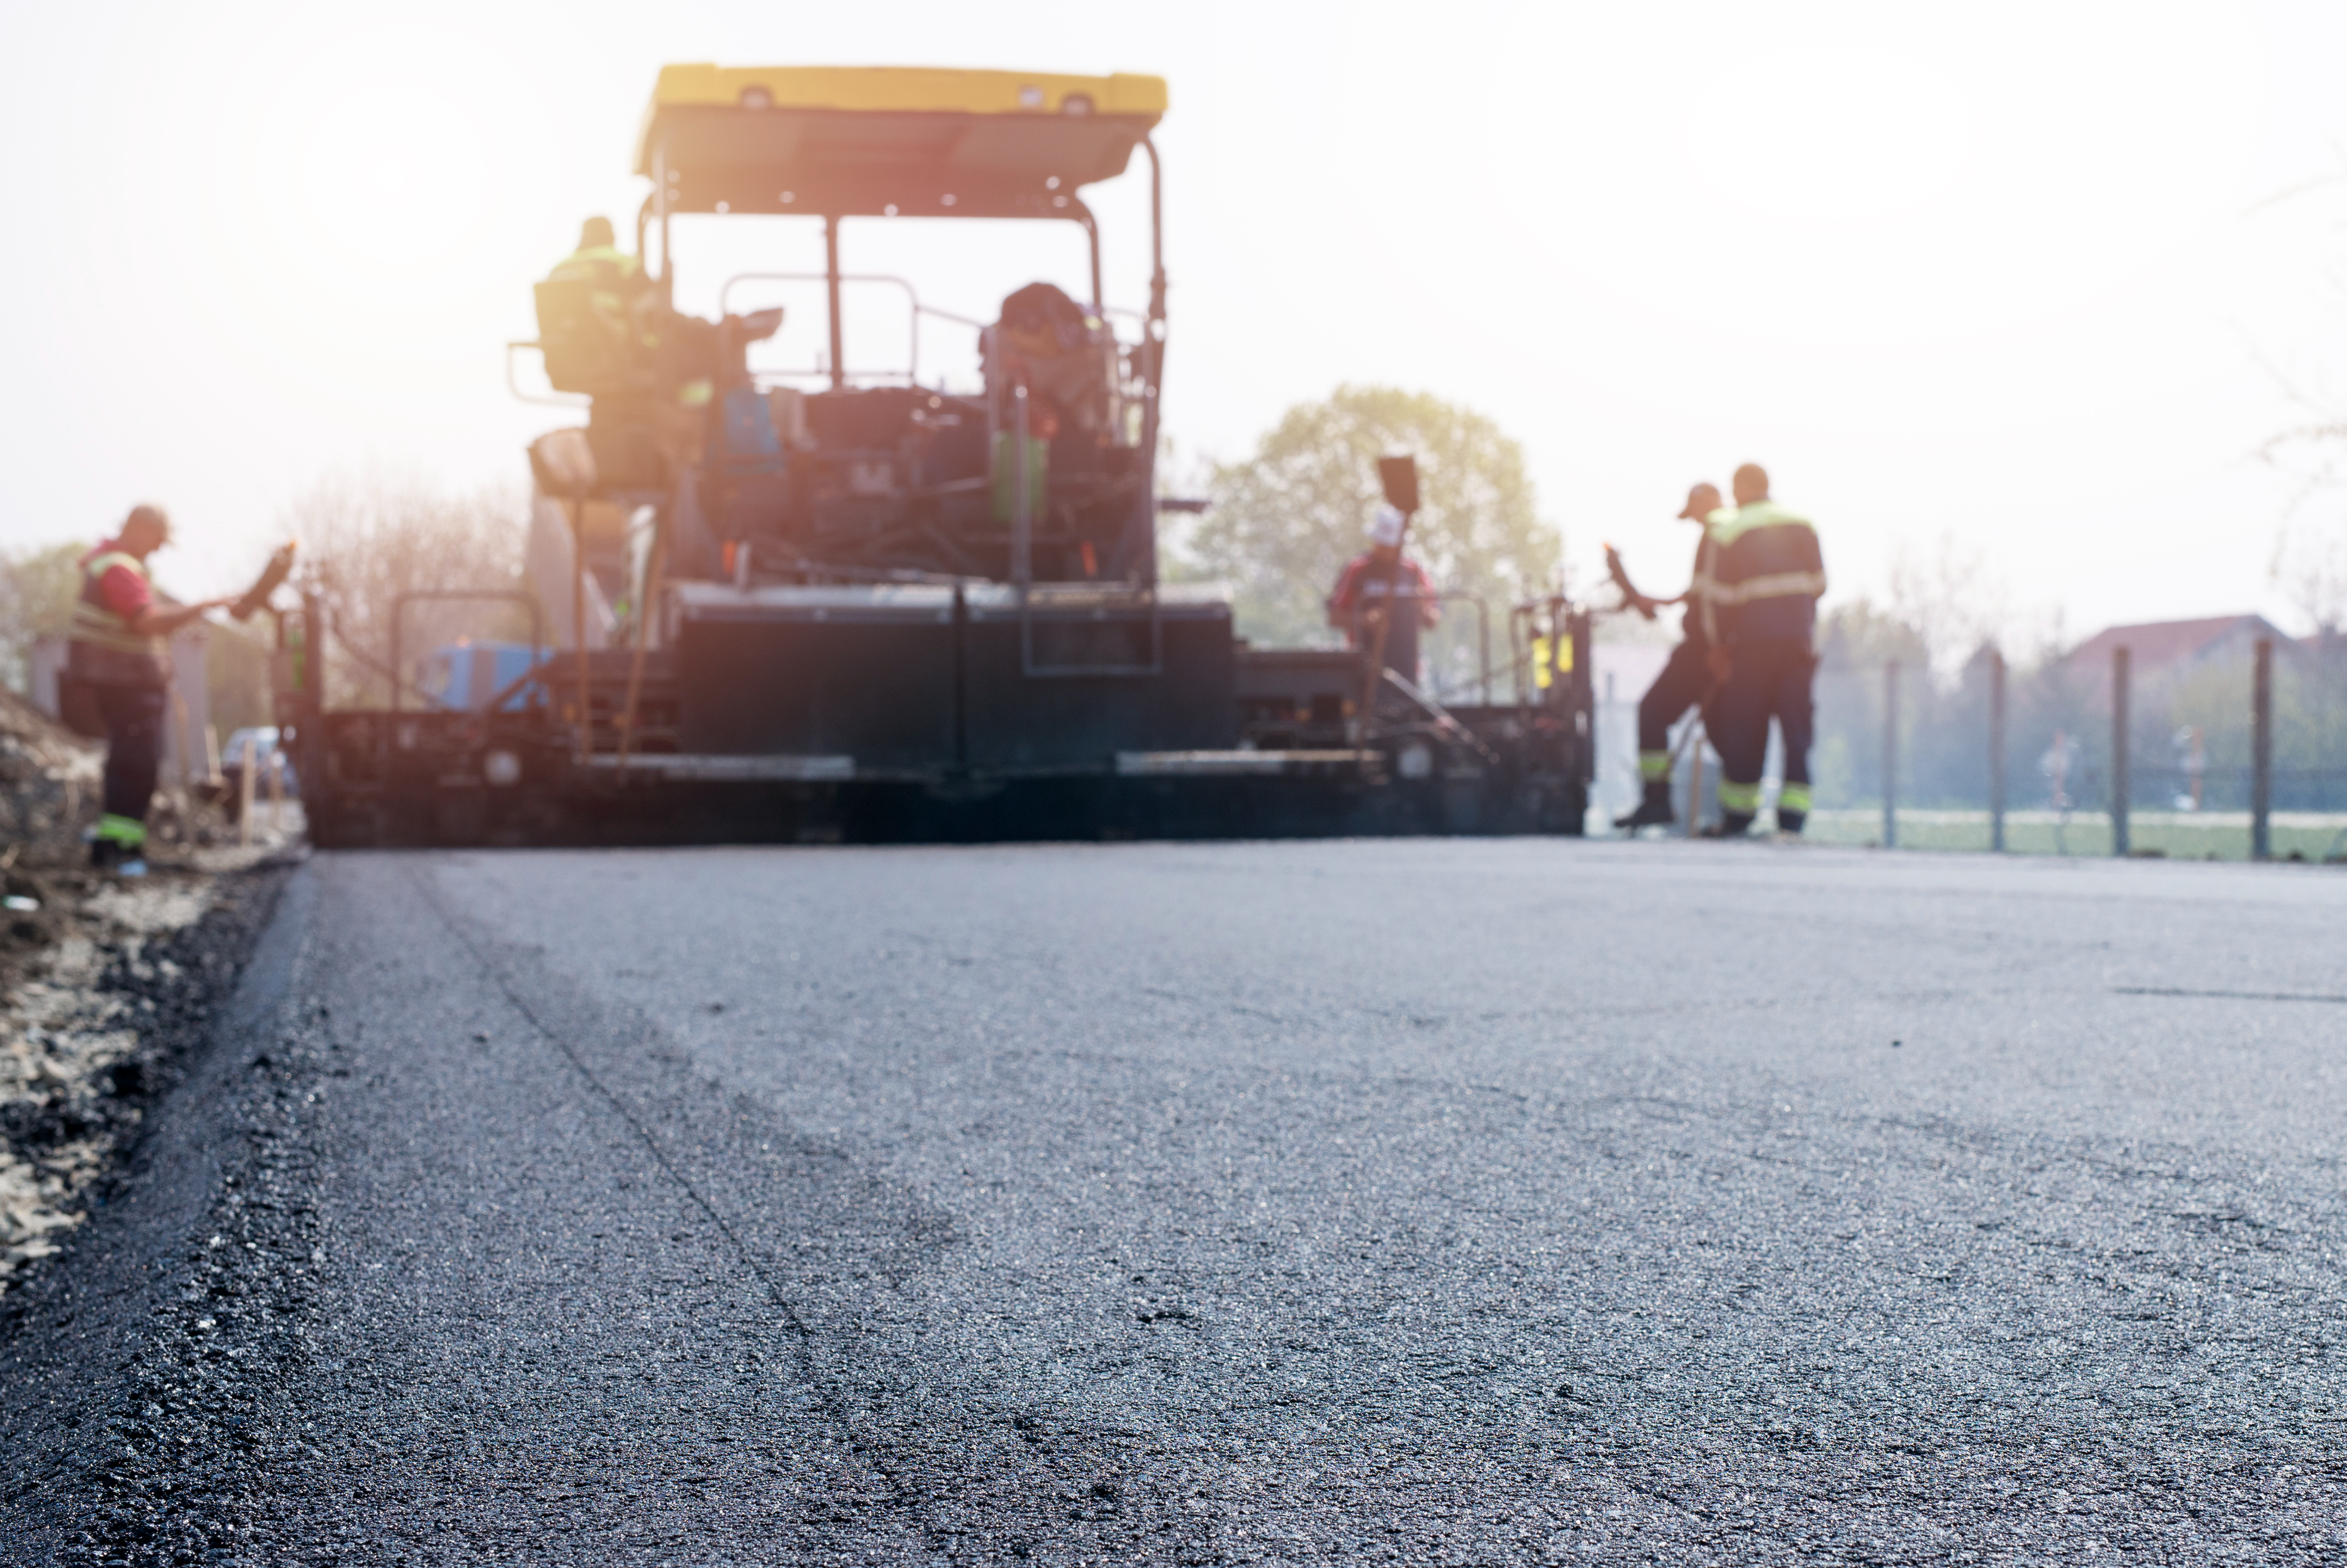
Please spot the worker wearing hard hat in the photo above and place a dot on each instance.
(1686, 679)
(599, 261)
(593, 314)
(1381, 585)
(1761, 614)
(121, 653)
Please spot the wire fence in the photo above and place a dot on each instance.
(2239, 755)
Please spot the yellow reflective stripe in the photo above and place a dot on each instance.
(1745, 798)
(96, 623)
(1728, 525)
(1775, 585)
(1541, 681)
(1654, 764)
(127, 830)
(609, 255)
(1793, 798)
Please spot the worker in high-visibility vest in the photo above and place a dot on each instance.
(609, 344)
(120, 651)
(618, 277)
(1762, 612)
(1686, 679)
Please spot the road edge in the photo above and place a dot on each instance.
(94, 1348)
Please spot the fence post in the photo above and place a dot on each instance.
(2262, 753)
(1890, 754)
(1694, 778)
(2119, 781)
(1996, 750)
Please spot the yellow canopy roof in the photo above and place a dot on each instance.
(856, 139)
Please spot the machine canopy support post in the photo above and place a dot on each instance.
(1136, 550)
(1091, 237)
(831, 293)
(1022, 516)
(668, 256)
(2122, 785)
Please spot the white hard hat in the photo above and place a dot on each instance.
(1385, 527)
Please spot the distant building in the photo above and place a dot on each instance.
(2162, 650)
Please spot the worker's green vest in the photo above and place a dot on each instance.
(589, 261)
(104, 647)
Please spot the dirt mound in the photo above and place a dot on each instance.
(48, 778)
(103, 985)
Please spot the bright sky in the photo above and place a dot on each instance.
(2010, 273)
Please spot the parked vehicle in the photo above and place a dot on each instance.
(260, 744)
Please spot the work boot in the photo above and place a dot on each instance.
(1731, 824)
(1653, 810)
(1790, 822)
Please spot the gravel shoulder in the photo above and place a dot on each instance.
(106, 991)
(120, 1113)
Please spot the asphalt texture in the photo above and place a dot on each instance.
(1426, 1202)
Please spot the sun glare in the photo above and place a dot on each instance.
(1840, 135)
(391, 181)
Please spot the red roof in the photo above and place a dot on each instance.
(2157, 644)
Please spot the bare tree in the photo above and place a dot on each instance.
(1952, 598)
(373, 540)
(2310, 558)
(2309, 566)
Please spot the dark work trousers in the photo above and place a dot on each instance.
(134, 746)
(1685, 681)
(1769, 677)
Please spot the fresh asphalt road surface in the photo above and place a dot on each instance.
(1460, 1202)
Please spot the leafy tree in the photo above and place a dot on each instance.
(37, 590)
(1284, 521)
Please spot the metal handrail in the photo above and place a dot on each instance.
(912, 298)
(1483, 633)
(562, 400)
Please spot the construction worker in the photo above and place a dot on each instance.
(1686, 681)
(1767, 576)
(591, 343)
(1373, 584)
(120, 651)
(599, 261)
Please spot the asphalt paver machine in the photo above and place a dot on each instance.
(832, 604)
